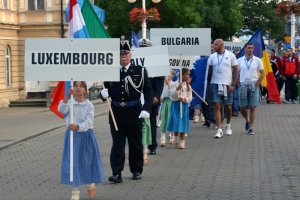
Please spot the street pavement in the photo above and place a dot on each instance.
(264, 166)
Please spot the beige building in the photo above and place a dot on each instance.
(20, 19)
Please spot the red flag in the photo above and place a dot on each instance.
(58, 95)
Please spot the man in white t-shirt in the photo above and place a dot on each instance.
(251, 73)
(224, 74)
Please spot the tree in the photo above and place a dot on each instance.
(262, 14)
(224, 17)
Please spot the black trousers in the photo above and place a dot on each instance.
(290, 88)
(279, 83)
(133, 133)
(154, 113)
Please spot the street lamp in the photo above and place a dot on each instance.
(144, 24)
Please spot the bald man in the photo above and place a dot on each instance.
(223, 70)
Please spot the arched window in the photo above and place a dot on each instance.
(7, 66)
(36, 5)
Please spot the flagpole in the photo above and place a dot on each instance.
(71, 135)
(111, 111)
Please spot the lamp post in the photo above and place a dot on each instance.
(293, 22)
(144, 24)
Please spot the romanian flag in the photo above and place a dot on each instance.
(261, 52)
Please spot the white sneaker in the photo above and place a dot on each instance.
(196, 119)
(75, 195)
(228, 130)
(219, 133)
(163, 141)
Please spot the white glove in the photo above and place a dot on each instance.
(104, 93)
(144, 114)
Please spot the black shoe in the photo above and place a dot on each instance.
(152, 152)
(206, 123)
(136, 176)
(115, 178)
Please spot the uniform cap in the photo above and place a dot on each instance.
(144, 43)
(124, 45)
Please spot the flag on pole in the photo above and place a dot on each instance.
(134, 40)
(58, 94)
(199, 80)
(261, 52)
(93, 23)
(77, 29)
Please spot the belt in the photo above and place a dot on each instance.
(125, 103)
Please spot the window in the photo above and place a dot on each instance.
(7, 67)
(5, 4)
(36, 5)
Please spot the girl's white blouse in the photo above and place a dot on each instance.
(83, 114)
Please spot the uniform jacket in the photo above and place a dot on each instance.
(287, 61)
(157, 87)
(117, 92)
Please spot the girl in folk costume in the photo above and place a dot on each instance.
(166, 109)
(86, 160)
(179, 124)
(147, 135)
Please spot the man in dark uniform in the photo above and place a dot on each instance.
(129, 113)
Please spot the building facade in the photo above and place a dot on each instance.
(20, 19)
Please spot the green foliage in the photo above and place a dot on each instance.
(262, 14)
(224, 17)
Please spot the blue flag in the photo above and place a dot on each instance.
(134, 40)
(199, 80)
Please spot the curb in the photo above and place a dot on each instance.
(42, 132)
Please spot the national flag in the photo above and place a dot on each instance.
(134, 40)
(77, 29)
(261, 52)
(199, 79)
(93, 23)
(58, 94)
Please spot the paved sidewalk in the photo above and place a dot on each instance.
(18, 124)
(264, 166)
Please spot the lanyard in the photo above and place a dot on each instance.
(220, 61)
(246, 62)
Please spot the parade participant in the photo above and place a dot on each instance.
(128, 112)
(222, 67)
(87, 161)
(157, 84)
(235, 103)
(146, 134)
(250, 67)
(208, 110)
(180, 93)
(166, 109)
(275, 59)
(288, 72)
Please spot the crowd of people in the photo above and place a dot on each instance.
(137, 101)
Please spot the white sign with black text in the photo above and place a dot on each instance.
(155, 59)
(231, 46)
(50, 59)
(183, 41)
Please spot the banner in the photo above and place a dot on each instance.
(155, 59)
(72, 59)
